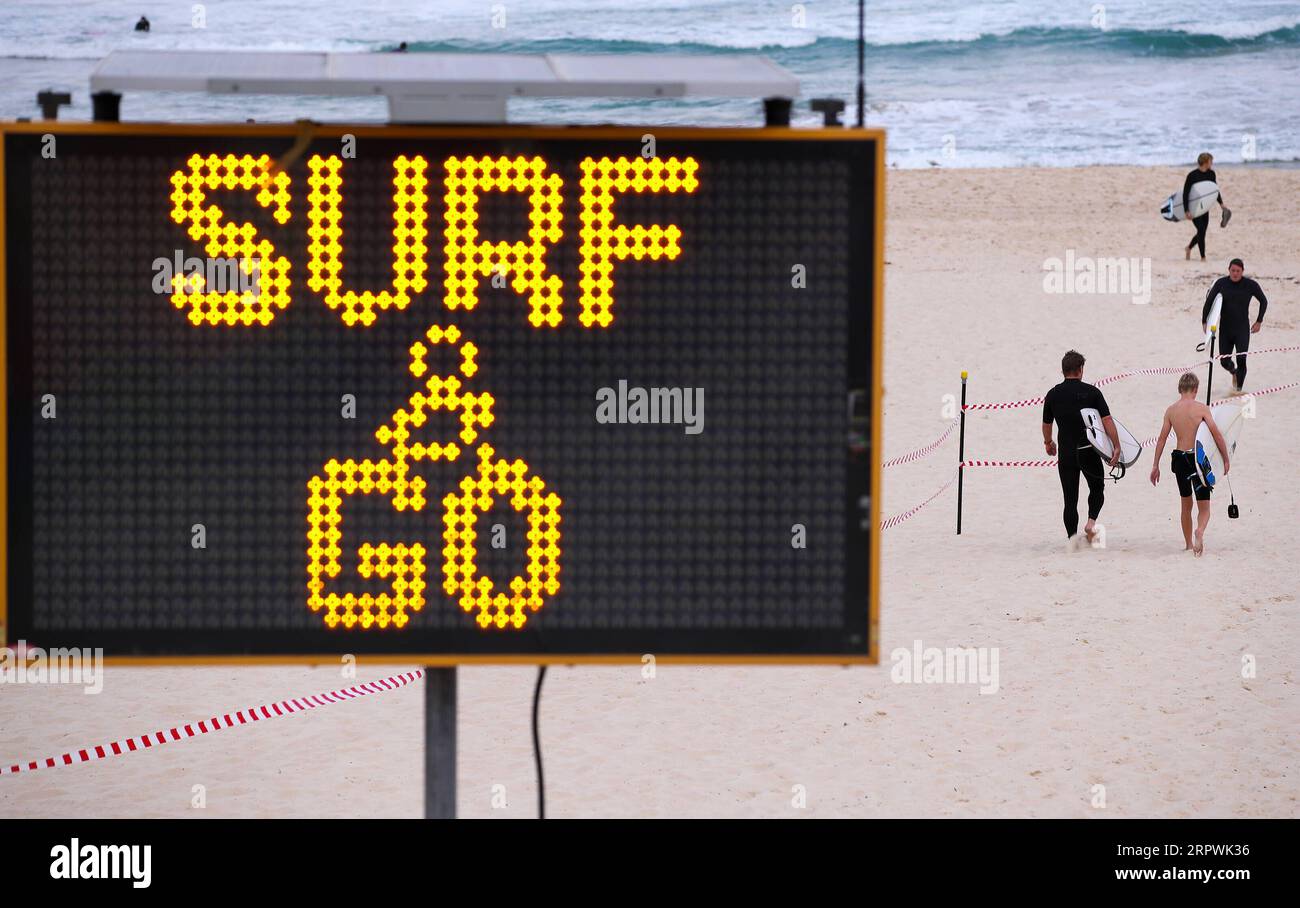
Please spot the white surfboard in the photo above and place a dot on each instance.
(1211, 323)
(1130, 449)
(1230, 418)
(1199, 198)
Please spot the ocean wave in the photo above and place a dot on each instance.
(608, 46)
(1134, 42)
(1140, 42)
(46, 58)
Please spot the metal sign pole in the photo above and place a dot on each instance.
(439, 743)
(439, 681)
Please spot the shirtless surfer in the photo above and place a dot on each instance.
(1184, 416)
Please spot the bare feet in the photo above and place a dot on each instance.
(1187, 253)
(1198, 546)
(1091, 534)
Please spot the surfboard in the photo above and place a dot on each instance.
(1130, 449)
(1211, 323)
(1230, 418)
(1200, 197)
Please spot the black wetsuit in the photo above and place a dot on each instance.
(1202, 222)
(1234, 321)
(142, 25)
(1062, 405)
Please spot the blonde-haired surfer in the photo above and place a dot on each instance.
(1183, 417)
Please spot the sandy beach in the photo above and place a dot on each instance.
(1120, 669)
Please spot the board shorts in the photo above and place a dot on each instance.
(1183, 465)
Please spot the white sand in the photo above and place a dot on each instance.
(1119, 667)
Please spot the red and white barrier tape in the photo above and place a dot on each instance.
(1006, 405)
(916, 455)
(216, 723)
(899, 518)
(1160, 370)
(1029, 463)
(913, 456)
(1272, 390)
(1156, 370)
(1265, 350)
(1148, 443)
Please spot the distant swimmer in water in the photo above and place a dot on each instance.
(1074, 454)
(1183, 417)
(142, 25)
(401, 48)
(1202, 173)
(1235, 326)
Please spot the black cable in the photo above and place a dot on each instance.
(537, 745)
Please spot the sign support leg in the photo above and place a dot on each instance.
(439, 743)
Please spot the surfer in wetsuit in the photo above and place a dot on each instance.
(1062, 406)
(1203, 172)
(1183, 417)
(1235, 326)
(142, 25)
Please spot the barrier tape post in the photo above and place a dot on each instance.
(1209, 378)
(961, 449)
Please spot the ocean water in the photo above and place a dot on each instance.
(957, 83)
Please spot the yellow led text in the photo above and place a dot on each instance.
(404, 563)
(325, 247)
(238, 241)
(604, 242)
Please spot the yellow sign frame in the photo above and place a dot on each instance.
(632, 134)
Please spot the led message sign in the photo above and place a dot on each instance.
(442, 393)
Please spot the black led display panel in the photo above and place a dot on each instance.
(455, 394)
